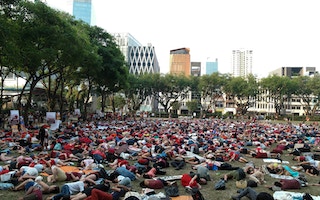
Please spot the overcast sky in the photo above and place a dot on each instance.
(280, 32)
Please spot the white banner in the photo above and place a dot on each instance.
(14, 117)
(51, 117)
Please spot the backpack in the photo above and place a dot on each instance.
(307, 196)
(225, 166)
(103, 174)
(220, 185)
(242, 174)
(196, 194)
(172, 190)
(251, 183)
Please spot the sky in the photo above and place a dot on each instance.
(281, 33)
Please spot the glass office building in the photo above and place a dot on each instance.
(82, 10)
(211, 67)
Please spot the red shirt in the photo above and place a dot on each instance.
(185, 181)
(99, 153)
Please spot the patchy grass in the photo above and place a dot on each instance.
(207, 190)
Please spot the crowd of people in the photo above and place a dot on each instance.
(110, 155)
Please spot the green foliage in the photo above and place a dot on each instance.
(243, 90)
(73, 60)
(170, 88)
(192, 106)
(51, 47)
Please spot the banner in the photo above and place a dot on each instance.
(14, 117)
(77, 112)
(51, 117)
(55, 125)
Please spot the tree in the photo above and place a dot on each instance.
(244, 90)
(302, 88)
(314, 84)
(140, 87)
(119, 102)
(278, 89)
(211, 89)
(192, 106)
(73, 45)
(112, 75)
(45, 40)
(8, 46)
(170, 88)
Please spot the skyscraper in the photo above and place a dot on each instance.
(82, 10)
(124, 41)
(211, 67)
(141, 59)
(180, 62)
(241, 63)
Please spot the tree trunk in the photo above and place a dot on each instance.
(1, 95)
(29, 100)
(113, 104)
(87, 101)
(103, 101)
(49, 92)
(61, 97)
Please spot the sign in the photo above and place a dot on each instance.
(51, 117)
(14, 117)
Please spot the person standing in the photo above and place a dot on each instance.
(30, 119)
(42, 135)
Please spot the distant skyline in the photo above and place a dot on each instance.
(280, 33)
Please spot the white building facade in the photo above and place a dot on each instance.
(241, 63)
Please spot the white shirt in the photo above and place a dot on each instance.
(30, 170)
(75, 187)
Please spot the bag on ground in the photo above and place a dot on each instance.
(220, 185)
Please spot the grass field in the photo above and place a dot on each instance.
(207, 190)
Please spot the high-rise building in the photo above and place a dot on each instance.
(211, 67)
(195, 68)
(241, 63)
(82, 10)
(180, 62)
(141, 59)
(124, 41)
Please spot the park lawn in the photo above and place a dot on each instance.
(208, 190)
